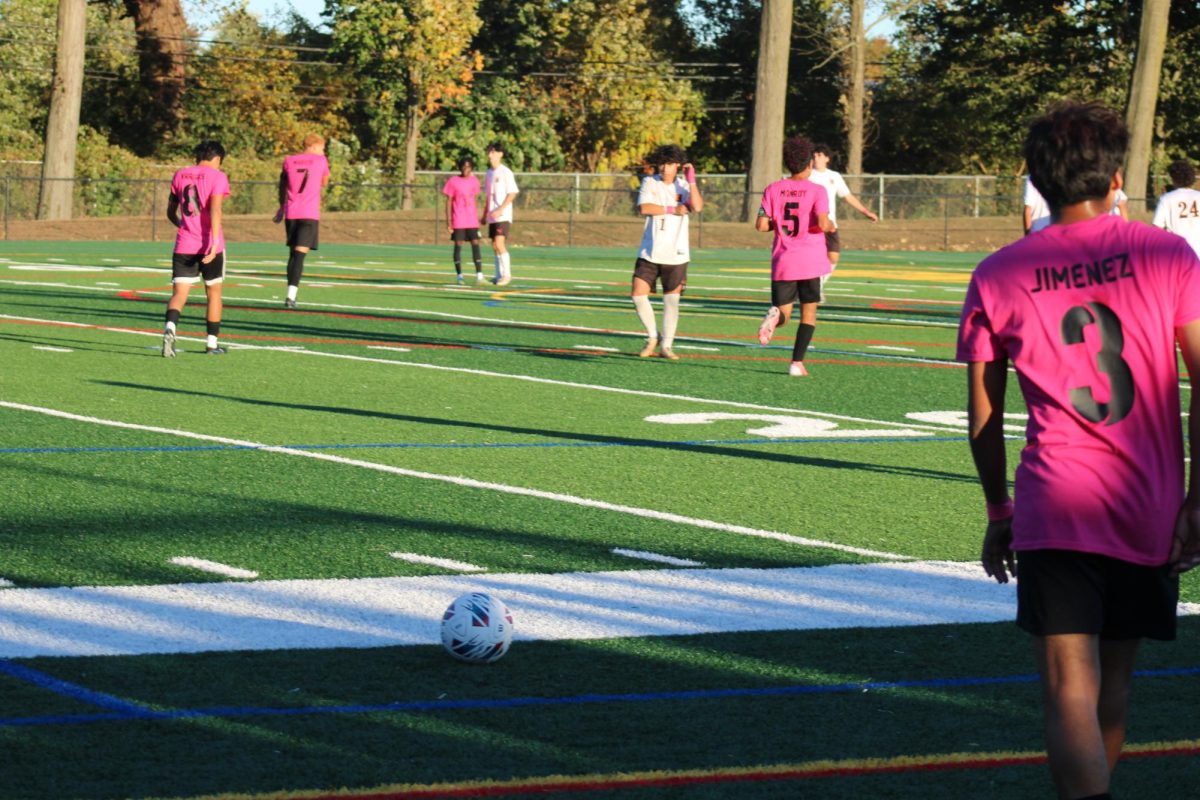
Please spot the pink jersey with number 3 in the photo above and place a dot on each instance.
(305, 173)
(193, 188)
(1087, 314)
(798, 252)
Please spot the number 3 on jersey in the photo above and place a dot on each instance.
(1108, 361)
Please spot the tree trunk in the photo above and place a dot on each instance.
(1143, 95)
(856, 101)
(770, 98)
(412, 135)
(161, 31)
(62, 127)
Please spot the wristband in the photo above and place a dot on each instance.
(997, 512)
(689, 175)
(668, 209)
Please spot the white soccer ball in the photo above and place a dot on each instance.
(477, 628)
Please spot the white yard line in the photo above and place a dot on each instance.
(215, 567)
(382, 612)
(644, 513)
(658, 558)
(49, 349)
(442, 563)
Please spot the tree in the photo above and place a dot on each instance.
(1143, 95)
(162, 45)
(62, 128)
(408, 58)
(770, 94)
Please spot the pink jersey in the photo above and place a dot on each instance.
(193, 188)
(1087, 314)
(799, 249)
(305, 174)
(464, 213)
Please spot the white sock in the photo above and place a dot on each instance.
(292, 290)
(170, 328)
(505, 265)
(499, 273)
(212, 342)
(670, 318)
(645, 312)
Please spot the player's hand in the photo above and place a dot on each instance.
(278, 218)
(682, 210)
(871, 215)
(689, 173)
(1185, 547)
(998, 559)
(209, 256)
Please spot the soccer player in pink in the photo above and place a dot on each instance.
(462, 215)
(303, 177)
(194, 208)
(1088, 311)
(797, 210)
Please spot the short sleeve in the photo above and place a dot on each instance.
(976, 339)
(767, 204)
(446, 188)
(841, 188)
(821, 203)
(646, 192)
(1160, 213)
(511, 180)
(1031, 193)
(1188, 308)
(223, 184)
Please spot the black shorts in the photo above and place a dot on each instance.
(1063, 591)
(188, 268)
(464, 235)
(833, 242)
(498, 229)
(674, 276)
(302, 232)
(784, 293)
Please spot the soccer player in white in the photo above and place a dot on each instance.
(1178, 210)
(835, 186)
(1037, 213)
(665, 200)
(499, 191)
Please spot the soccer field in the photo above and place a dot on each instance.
(224, 576)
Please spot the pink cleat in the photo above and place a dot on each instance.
(797, 370)
(769, 323)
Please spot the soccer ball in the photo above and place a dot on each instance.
(477, 628)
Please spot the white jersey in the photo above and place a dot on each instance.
(1178, 211)
(835, 187)
(499, 183)
(1118, 198)
(1039, 216)
(665, 237)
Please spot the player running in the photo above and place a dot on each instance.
(1088, 311)
(194, 208)
(303, 177)
(797, 210)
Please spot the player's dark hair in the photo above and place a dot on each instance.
(797, 154)
(824, 149)
(1182, 173)
(666, 154)
(1073, 151)
(462, 162)
(207, 149)
(495, 147)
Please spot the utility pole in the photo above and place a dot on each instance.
(770, 97)
(855, 114)
(62, 128)
(1143, 96)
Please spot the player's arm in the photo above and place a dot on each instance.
(986, 384)
(1185, 549)
(449, 214)
(763, 222)
(825, 224)
(1028, 216)
(173, 210)
(215, 217)
(282, 193)
(695, 200)
(857, 205)
(508, 201)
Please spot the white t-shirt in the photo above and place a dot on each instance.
(1118, 198)
(1179, 212)
(1039, 216)
(499, 183)
(835, 187)
(665, 237)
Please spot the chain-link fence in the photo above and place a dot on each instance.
(916, 211)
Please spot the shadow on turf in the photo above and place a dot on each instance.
(615, 441)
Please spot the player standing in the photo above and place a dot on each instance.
(303, 177)
(835, 186)
(500, 190)
(462, 215)
(1037, 213)
(797, 210)
(1178, 211)
(194, 208)
(665, 199)
(1089, 311)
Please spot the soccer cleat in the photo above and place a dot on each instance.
(289, 303)
(797, 370)
(168, 346)
(479, 277)
(504, 281)
(459, 280)
(215, 351)
(668, 353)
(769, 323)
(648, 350)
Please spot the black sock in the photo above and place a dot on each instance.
(803, 338)
(173, 315)
(213, 328)
(458, 257)
(295, 267)
(477, 255)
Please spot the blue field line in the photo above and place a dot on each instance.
(481, 445)
(122, 709)
(424, 706)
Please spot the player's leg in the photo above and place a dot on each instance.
(833, 250)
(783, 295)
(1117, 658)
(674, 282)
(645, 275)
(477, 257)
(214, 279)
(809, 292)
(179, 295)
(457, 238)
(503, 265)
(1070, 669)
